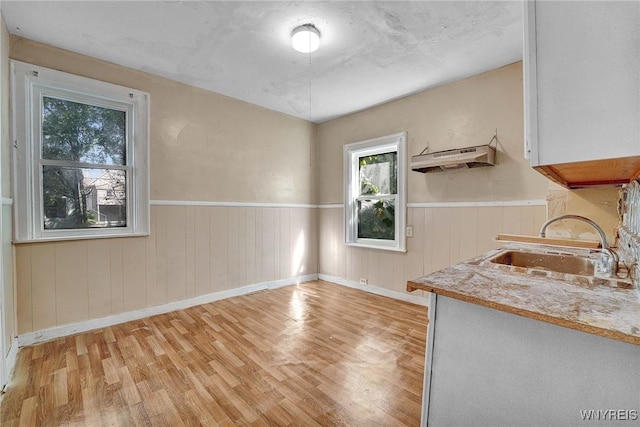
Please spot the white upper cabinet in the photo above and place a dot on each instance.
(582, 90)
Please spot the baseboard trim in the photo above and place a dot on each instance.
(10, 362)
(375, 290)
(44, 335)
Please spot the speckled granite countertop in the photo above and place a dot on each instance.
(609, 308)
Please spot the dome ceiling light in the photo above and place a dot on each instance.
(305, 38)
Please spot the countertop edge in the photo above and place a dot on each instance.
(606, 333)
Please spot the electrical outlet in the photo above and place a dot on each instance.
(363, 281)
(409, 232)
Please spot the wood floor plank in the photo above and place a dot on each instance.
(314, 354)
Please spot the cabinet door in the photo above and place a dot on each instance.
(584, 58)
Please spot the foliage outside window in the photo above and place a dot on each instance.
(81, 150)
(375, 173)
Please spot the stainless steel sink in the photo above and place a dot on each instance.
(549, 262)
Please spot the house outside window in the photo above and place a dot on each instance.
(375, 192)
(81, 156)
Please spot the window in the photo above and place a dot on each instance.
(375, 179)
(81, 156)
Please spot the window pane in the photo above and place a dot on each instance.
(83, 198)
(376, 219)
(82, 133)
(378, 174)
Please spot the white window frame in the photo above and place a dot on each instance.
(352, 152)
(29, 84)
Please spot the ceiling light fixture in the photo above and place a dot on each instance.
(305, 38)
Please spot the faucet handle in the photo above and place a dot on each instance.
(608, 262)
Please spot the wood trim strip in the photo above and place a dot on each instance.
(491, 203)
(590, 244)
(229, 204)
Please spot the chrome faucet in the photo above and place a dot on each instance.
(608, 260)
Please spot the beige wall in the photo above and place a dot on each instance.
(5, 128)
(463, 113)
(599, 204)
(204, 147)
(7, 285)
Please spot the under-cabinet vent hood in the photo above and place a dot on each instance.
(461, 158)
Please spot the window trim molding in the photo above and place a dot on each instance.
(28, 83)
(394, 142)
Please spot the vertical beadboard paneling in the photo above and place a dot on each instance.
(275, 242)
(511, 220)
(313, 233)
(8, 293)
(24, 298)
(268, 244)
(250, 245)
(117, 276)
(540, 218)
(201, 248)
(219, 248)
(297, 244)
(242, 246)
(284, 262)
(441, 236)
(159, 291)
(233, 238)
(489, 225)
(399, 280)
(151, 259)
(134, 274)
(354, 264)
(385, 269)
(259, 212)
(456, 238)
(427, 236)
(528, 221)
(340, 260)
(191, 251)
(468, 224)
(190, 255)
(329, 235)
(99, 280)
(43, 285)
(373, 264)
(202, 251)
(414, 266)
(176, 253)
(324, 247)
(72, 301)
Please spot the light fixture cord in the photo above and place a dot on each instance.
(309, 90)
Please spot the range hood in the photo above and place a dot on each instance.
(461, 158)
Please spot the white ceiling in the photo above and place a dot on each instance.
(371, 52)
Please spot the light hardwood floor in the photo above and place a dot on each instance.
(311, 354)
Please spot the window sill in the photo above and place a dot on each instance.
(87, 237)
(382, 248)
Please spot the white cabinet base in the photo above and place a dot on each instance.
(490, 368)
